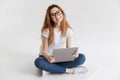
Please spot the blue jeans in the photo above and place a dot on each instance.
(42, 63)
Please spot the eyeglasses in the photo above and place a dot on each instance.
(57, 13)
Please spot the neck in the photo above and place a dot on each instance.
(58, 25)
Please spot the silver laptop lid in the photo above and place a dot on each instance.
(64, 54)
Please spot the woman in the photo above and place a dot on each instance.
(56, 33)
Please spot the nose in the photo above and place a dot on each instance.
(56, 16)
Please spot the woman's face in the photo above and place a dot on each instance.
(56, 15)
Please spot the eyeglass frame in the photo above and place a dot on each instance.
(57, 13)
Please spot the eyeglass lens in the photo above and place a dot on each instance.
(58, 13)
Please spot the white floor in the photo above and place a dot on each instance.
(15, 66)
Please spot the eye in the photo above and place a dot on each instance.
(52, 14)
(58, 12)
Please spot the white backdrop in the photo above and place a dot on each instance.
(96, 25)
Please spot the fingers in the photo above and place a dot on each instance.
(75, 55)
(51, 59)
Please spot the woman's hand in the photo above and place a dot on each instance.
(75, 54)
(51, 59)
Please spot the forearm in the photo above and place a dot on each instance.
(68, 43)
(45, 54)
(48, 57)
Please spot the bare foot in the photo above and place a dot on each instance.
(69, 71)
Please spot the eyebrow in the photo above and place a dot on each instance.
(55, 12)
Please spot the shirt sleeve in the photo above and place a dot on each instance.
(45, 33)
(69, 32)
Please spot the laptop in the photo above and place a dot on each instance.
(64, 54)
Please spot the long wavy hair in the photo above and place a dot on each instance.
(49, 23)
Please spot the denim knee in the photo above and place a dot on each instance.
(38, 63)
(81, 59)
